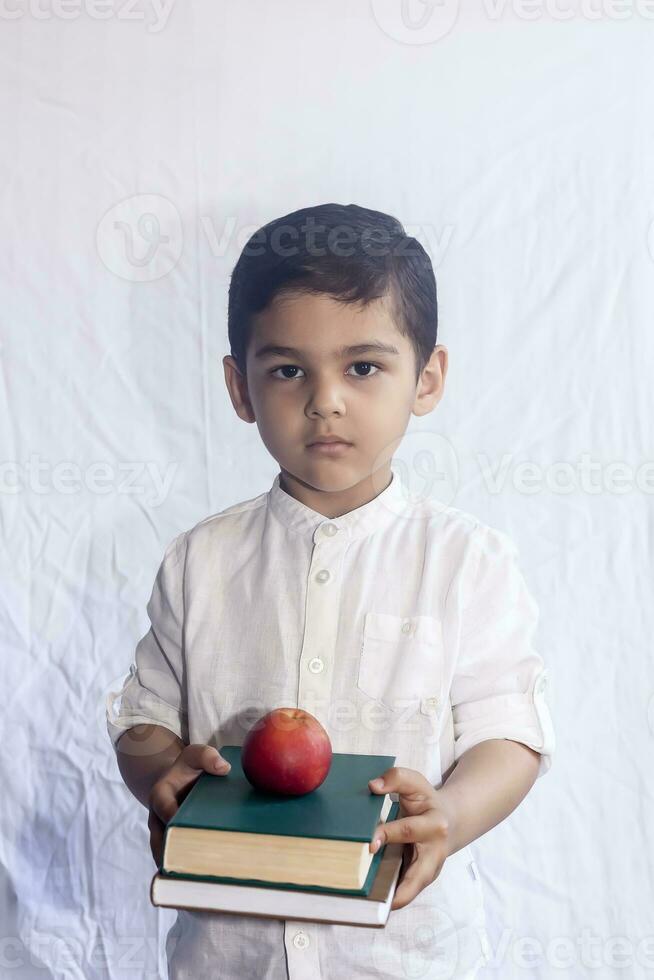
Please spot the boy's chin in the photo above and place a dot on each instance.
(335, 477)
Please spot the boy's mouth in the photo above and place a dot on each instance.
(328, 441)
(335, 447)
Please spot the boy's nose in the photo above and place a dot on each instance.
(325, 403)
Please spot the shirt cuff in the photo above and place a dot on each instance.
(521, 717)
(134, 705)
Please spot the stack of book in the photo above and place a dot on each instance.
(232, 848)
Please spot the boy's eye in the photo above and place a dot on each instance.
(366, 364)
(293, 367)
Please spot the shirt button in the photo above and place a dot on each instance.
(300, 940)
(322, 576)
(429, 706)
(474, 871)
(316, 665)
(407, 626)
(330, 529)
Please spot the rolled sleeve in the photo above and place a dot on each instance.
(499, 684)
(154, 690)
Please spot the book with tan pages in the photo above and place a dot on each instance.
(269, 901)
(228, 831)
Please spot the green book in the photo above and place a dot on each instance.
(228, 831)
(288, 901)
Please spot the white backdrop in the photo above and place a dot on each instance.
(517, 143)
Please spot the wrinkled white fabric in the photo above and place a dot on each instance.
(518, 150)
(404, 626)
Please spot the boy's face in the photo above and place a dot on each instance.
(365, 397)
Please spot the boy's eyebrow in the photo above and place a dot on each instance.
(372, 345)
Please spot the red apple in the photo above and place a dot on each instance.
(286, 751)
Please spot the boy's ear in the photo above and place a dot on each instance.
(431, 382)
(237, 387)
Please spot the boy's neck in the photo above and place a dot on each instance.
(336, 503)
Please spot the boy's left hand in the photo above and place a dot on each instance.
(424, 830)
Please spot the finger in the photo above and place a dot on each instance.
(418, 875)
(408, 830)
(156, 837)
(409, 855)
(163, 799)
(408, 782)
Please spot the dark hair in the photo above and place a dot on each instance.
(348, 252)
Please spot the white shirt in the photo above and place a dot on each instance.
(406, 628)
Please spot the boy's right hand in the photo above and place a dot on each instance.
(171, 788)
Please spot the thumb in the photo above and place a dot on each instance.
(197, 758)
(169, 791)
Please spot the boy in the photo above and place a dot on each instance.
(405, 627)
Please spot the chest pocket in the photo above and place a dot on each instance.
(401, 660)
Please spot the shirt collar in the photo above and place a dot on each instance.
(378, 513)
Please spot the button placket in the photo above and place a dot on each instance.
(321, 621)
(301, 950)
